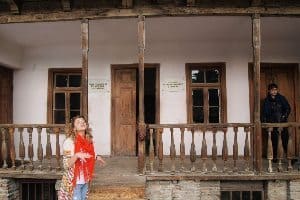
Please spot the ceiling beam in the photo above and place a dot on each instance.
(255, 2)
(158, 11)
(14, 9)
(127, 3)
(190, 2)
(66, 5)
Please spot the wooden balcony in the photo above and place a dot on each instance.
(215, 152)
(219, 159)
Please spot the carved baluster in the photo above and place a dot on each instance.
(290, 149)
(270, 150)
(21, 148)
(12, 147)
(151, 151)
(182, 149)
(172, 151)
(193, 151)
(57, 131)
(4, 148)
(204, 152)
(30, 148)
(160, 150)
(40, 149)
(247, 149)
(48, 148)
(214, 151)
(225, 149)
(235, 149)
(280, 150)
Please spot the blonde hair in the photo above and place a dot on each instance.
(70, 129)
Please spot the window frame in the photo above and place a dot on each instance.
(67, 90)
(221, 85)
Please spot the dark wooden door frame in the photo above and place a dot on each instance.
(157, 92)
(293, 66)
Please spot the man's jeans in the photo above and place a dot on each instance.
(80, 191)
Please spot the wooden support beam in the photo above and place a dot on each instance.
(255, 3)
(149, 12)
(127, 3)
(256, 44)
(14, 9)
(190, 2)
(84, 80)
(66, 5)
(141, 120)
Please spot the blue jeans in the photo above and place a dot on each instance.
(80, 191)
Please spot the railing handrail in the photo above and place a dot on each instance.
(283, 124)
(209, 125)
(32, 125)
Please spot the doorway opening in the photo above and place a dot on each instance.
(285, 75)
(125, 101)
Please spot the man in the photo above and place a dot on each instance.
(276, 109)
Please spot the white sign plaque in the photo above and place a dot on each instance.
(98, 86)
(173, 86)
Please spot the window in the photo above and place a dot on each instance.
(206, 92)
(242, 190)
(37, 189)
(64, 95)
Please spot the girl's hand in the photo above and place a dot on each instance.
(83, 156)
(102, 162)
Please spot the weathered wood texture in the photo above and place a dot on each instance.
(84, 77)
(141, 117)
(156, 11)
(239, 163)
(27, 132)
(256, 45)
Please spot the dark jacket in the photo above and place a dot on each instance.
(275, 110)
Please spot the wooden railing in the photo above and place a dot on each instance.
(25, 149)
(290, 155)
(156, 133)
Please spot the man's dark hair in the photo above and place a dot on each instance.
(272, 85)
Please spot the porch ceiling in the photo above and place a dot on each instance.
(203, 29)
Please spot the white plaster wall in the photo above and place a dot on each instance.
(172, 43)
(10, 54)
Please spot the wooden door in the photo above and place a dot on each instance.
(6, 95)
(284, 76)
(6, 100)
(124, 112)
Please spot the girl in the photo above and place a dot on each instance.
(78, 161)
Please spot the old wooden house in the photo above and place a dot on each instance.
(172, 90)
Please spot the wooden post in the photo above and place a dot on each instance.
(84, 79)
(141, 120)
(256, 43)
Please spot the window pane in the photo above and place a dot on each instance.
(213, 95)
(59, 117)
(213, 114)
(74, 113)
(225, 195)
(246, 195)
(74, 80)
(198, 115)
(197, 76)
(212, 76)
(61, 80)
(75, 101)
(59, 101)
(257, 195)
(236, 195)
(197, 97)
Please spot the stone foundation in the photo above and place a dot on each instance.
(191, 190)
(9, 189)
